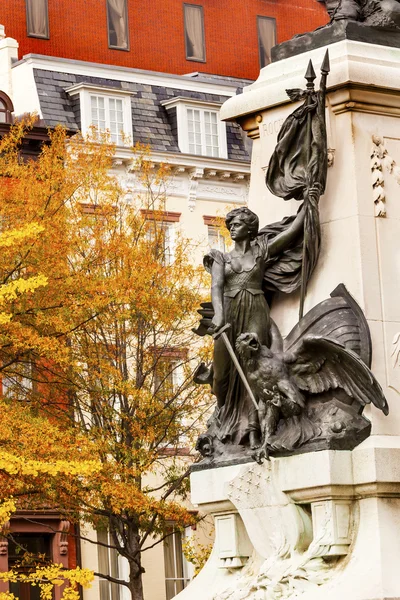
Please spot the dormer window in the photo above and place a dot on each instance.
(199, 128)
(6, 108)
(106, 109)
(108, 114)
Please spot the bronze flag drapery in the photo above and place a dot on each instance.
(298, 166)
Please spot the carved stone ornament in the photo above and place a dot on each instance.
(62, 536)
(381, 162)
(3, 539)
(294, 555)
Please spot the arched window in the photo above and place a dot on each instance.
(6, 108)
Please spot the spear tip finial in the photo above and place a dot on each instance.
(310, 73)
(326, 67)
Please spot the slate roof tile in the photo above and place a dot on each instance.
(150, 120)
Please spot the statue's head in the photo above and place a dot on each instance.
(247, 216)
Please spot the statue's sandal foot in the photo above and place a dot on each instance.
(254, 440)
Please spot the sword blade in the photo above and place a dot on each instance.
(239, 368)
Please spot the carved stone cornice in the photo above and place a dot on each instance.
(366, 99)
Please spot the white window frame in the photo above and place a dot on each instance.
(187, 571)
(11, 383)
(86, 91)
(168, 230)
(220, 241)
(107, 589)
(182, 106)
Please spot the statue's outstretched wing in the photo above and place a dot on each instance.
(339, 318)
(321, 364)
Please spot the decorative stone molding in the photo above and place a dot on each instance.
(179, 170)
(381, 161)
(194, 177)
(331, 526)
(238, 177)
(234, 548)
(4, 540)
(331, 157)
(62, 536)
(395, 354)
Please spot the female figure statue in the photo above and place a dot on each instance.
(239, 278)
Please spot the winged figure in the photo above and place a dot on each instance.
(281, 381)
(311, 387)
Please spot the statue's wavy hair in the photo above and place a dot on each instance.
(246, 215)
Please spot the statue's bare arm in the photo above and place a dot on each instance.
(287, 237)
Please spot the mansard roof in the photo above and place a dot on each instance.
(152, 123)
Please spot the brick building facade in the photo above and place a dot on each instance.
(157, 35)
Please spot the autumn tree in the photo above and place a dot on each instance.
(102, 344)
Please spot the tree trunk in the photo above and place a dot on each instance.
(135, 582)
(135, 563)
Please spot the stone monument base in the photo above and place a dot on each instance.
(324, 525)
(318, 526)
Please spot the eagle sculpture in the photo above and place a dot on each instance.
(283, 381)
(311, 387)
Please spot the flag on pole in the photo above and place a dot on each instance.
(298, 165)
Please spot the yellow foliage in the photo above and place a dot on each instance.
(9, 291)
(195, 553)
(96, 342)
(13, 236)
(16, 465)
(7, 508)
(47, 578)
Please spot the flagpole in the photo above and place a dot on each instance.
(310, 77)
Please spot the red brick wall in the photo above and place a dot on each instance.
(72, 550)
(78, 30)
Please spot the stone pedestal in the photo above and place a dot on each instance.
(324, 525)
(318, 526)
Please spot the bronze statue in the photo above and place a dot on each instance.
(238, 298)
(306, 392)
(375, 13)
